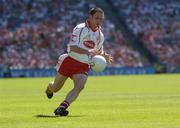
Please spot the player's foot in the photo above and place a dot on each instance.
(61, 112)
(49, 93)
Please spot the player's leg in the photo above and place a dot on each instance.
(79, 83)
(56, 85)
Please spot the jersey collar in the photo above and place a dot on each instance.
(89, 26)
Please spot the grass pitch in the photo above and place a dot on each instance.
(141, 101)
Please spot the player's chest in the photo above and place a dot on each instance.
(91, 39)
(92, 36)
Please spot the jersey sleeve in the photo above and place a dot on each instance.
(100, 46)
(76, 37)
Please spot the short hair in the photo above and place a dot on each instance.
(94, 10)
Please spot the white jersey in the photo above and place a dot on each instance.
(86, 38)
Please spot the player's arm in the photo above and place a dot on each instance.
(107, 56)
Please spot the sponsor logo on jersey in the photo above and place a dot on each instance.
(89, 44)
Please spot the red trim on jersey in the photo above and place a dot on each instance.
(71, 37)
(89, 26)
(80, 34)
(99, 37)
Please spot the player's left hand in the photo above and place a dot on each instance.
(108, 57)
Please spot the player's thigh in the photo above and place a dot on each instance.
(59, 80)
(79, 80)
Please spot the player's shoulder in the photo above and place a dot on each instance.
(80, 26)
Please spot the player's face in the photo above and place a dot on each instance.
(97, 19)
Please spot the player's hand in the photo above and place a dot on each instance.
(108, 57)
(93, 52)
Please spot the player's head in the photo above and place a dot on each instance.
(96, 16)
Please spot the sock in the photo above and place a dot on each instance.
(64, 105)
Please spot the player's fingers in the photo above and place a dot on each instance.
(110, 59)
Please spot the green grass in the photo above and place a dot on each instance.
(142, 101)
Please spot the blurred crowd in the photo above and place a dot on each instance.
(33, 33)
(157, 24)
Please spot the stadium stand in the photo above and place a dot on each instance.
(34, 33)
(157, 24)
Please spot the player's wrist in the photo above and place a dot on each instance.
(104, 53)
(88, 52)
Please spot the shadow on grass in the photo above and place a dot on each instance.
(45, 116)
(50, 116)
